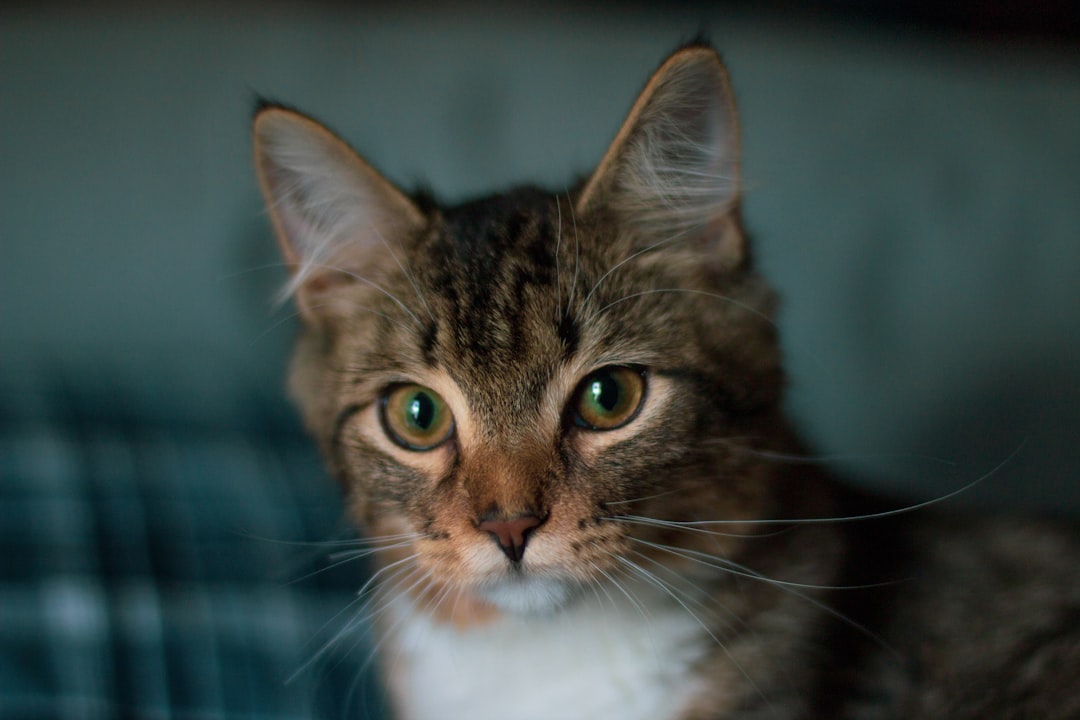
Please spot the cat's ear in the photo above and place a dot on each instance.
(672, 171)
(336, 217)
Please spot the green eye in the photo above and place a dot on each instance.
(609, 398)
(415, 417)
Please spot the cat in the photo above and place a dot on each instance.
(557, 418)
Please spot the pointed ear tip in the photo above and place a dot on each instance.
(273, 117)
(699, 61)
(269, 114)
(697, 53)
(699, 49)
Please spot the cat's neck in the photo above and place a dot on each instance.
(622, 652)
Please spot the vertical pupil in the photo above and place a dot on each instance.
(421, 411)
(605, 392)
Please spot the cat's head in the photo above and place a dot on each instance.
(518, 393)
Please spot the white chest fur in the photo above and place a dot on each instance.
(593, 661)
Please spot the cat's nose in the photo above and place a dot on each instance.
(512, 533)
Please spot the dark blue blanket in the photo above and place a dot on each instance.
(170, 571)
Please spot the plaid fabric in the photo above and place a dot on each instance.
(157, 571)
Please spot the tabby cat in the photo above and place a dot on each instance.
(557, 419)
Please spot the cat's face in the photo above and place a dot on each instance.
(519, 393)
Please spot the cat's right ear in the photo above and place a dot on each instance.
(672, 172)
(335, 216)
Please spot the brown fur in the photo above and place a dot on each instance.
(503, 305)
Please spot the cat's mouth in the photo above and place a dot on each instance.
(524, 593)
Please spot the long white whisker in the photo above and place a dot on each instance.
(661, 585)
(252, 269)
(344, 557)
(359, 619)
(800, 459)
(684, 581)
(344, 542)
(577, 253)
(656, 582)
(359, 278)
(642, 499)
(357, 553)
(633, 601)
(382, 598)
(734, 568)
(627, 259)
(700, 603)
(558, 246)
(405, 271)
(424, 577)
(853, 518)
(684, 526)
(597, 585)
(258, 338)
(691, 291)
(641, 609)
(793, 589)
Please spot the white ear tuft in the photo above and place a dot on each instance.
(333, 213)
(673, 169)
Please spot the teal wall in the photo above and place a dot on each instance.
(916, 199)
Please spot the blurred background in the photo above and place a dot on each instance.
(913, 190)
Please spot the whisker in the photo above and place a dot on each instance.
(730, 614)
(357, 553)
(656, 582)
(291, 316)
(424, 576)
(691, 291)
(252, 269)
(661, 585)
(405, 271)
(641, 499)
(349, 542)
(300, 568)
(794, 589)
(558, 246)
(626, 593)
(854, 518)
(577, 252)
(348, 556)
(686, 527)
(290, 289)
(632, 256)
(357, 620)
(691, 592)
(801, 459)
(366, 620)
(597, 585)
(385, 597)
(641, 608)
(734, 568)
(433, 603)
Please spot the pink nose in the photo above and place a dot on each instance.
(511, 534)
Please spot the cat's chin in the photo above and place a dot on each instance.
(527, 595)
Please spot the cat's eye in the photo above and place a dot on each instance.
(609, 398)
(415, 417)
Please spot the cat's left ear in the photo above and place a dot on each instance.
(672, 172)
(336, 217)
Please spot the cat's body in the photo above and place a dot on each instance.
(979, 622)
(559, 420)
